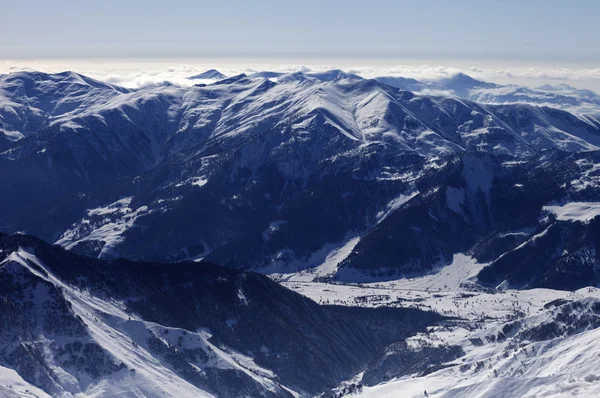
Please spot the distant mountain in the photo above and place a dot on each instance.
(562, 96)
(334, 75)
(30, 101)
(462, 84)
(268, 74)
(403, 83)
(211, 74)
(74, 325)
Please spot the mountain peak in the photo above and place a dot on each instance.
(267, 74)
(32, 79)
(461, 83)
(333, 75)
(463, 80)
(403, 83)
(212, 74)
(463, 77)
(232, 79)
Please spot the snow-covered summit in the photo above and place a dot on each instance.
(462, 84)
(211, 74)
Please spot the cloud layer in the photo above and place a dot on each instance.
(140, 73)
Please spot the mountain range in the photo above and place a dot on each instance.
(197, 230)
(241, 170)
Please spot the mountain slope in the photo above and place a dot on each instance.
(77, 325)
(502, 212)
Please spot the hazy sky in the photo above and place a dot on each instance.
(523, 30)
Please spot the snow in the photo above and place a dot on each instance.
(575, 211)
(394, 205)
(566, 367)
(199, 181)
(561, 367)
(589, 176)
(194, 181)
(335, 257)
(448, 281)
(321, 264)
(228, 113)
(273, 227)
(116, 331)
(13, 135)
(13, 386)
(120, 206)
(357, 108)
(210, 75)
(103, 320)
(105, 224)
(579, 102)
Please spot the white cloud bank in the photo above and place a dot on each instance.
(140, 73)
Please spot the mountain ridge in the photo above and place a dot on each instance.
(194, 321)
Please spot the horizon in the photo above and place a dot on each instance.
(134, 42)
(140, 72)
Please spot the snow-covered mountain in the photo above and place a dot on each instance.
(30, 102)
(211, 74)
(74, 326)
(241, 169)
(460, 197)
(582, 102)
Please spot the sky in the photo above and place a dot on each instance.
(504, 40)
(532, 29)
